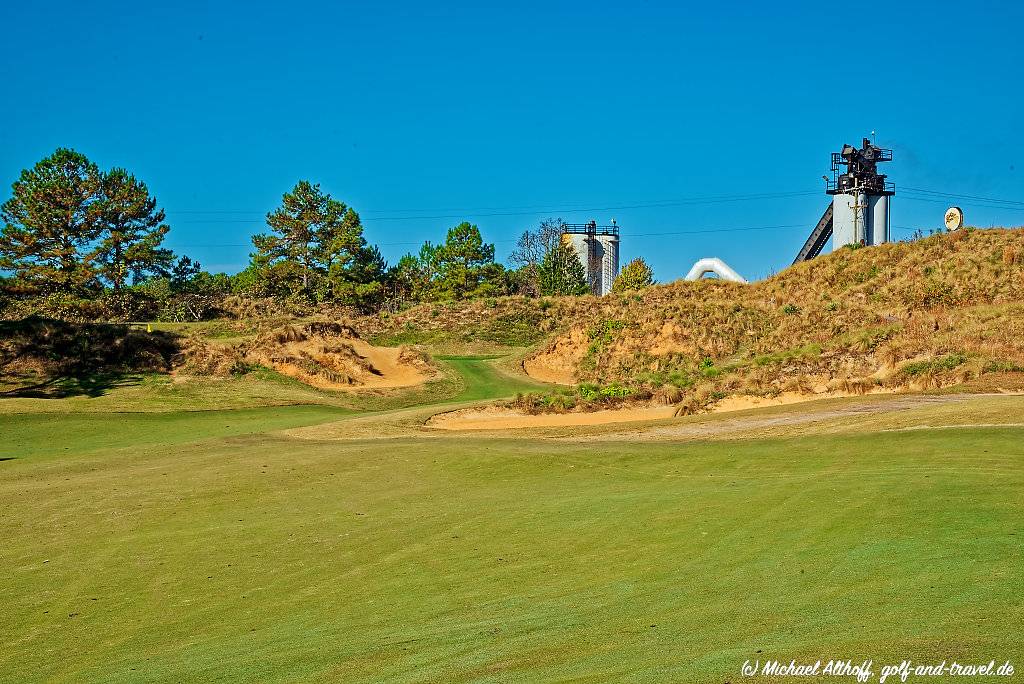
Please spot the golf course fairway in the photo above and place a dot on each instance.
(212, 546)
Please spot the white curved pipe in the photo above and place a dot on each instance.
(716, 266)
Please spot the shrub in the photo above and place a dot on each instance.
(937, 365)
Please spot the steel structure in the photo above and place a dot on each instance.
(859, 211)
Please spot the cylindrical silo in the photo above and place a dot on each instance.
(578, 244)
(843, 221)
(584, 247)
(609, 262)
(879, 209)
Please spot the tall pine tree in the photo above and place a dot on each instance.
(466, 265)
(51, 222)
(316, 246)
(132, 230)
(295, 226)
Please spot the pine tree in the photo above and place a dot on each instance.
(465, 265)
(132, 230)
(50, 222)
(295, 226)
(562, 272)
(354, 269)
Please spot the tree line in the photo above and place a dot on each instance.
(77, 237)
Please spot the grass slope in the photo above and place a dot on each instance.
(933, 313)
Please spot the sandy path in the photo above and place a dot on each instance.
(498, 418)
(884, 412)
(495, 418)
(880, 413)
(742, 403)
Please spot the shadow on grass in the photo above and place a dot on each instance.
(92, 385)
(49, 359)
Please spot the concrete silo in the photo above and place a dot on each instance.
(597, 248)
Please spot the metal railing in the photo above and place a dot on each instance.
(589, 229)
(831, 187)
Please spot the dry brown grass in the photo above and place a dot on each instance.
(938, 312)
(200, 357)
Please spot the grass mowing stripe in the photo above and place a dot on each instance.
(481, 380)
(263, 558)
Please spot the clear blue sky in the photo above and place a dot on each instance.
(420, 115)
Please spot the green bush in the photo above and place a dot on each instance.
(943, 363)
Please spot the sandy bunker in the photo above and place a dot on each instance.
(332, 356)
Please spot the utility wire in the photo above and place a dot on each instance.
(935, 200)
(542, 207)
(698, 231)
(968, 197)
(515, 211)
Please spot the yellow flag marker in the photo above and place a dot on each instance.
(149, 327)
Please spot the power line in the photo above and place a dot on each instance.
(515, 211)
(909, 193)
(698, 231)
(935, 200)
(969, 197)
(717, 230)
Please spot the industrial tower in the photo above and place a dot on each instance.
(597, 248)
(859, 212)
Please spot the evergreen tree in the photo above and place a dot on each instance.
(635, 275)
(465, 265)
(132, 230)
(411, 279)
(296, 227)
(50, 222)
(562, 272)
(316, 246)
(353, 268)
(183, 273)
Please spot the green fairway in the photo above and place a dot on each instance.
(33, 435)
(481, 380)
(46, 433)
(209, 546)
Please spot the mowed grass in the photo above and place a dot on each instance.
(481, 379)
(42, 435)
(37, 427)
(256, 557)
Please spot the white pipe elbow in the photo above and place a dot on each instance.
(716, 266)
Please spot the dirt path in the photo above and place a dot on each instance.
(497, 418)
(878, 412)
